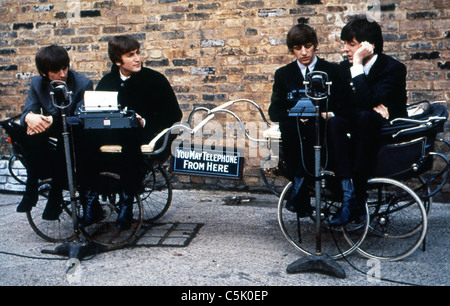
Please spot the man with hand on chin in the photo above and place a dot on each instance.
(375, 91)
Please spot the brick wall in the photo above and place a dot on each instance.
(216, 51)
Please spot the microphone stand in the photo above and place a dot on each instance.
(74, 249)
(319, 262)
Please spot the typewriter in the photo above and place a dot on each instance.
(102, 111)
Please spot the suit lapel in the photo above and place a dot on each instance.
(377, 67)
(297, 74)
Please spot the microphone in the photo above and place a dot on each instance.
(317, 86)
(60, 93)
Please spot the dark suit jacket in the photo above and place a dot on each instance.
(385, 84)
(147, 92)
(38, 99)
(287, 79)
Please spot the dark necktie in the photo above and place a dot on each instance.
(307, 71)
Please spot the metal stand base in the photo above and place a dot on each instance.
(317, 263)
(76, 250)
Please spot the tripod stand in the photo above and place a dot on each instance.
(317, 89)
(62, 99)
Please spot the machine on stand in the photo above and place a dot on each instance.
(317, 91)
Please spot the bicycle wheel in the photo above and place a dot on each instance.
(105, 232)
(301, 232)
(57, 231)
(398, 221)
(157, 194)
(16, 169)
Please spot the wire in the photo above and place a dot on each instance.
(362, 272)
(43, 258)
(31, 257)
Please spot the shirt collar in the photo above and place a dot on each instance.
(122, 77)
(369, 64)
(311, 66)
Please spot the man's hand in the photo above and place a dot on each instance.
(141, 120)
(37, 123)
(365, 50)
(382, 110)
(327, 116)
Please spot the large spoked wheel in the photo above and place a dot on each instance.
(301, 232)
(57, 231)
(157, 194)
(398, 221)
(105, 232)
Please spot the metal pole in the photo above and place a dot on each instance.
(70, 177)
(72, 249)
(318, 185)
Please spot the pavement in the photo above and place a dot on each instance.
(225, 244)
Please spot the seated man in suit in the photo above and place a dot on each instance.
(43, 120)
(375, 91)
(150, 95)
(298, 135)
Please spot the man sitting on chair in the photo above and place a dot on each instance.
(149, 94)
(375, 92)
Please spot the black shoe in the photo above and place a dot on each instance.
(92, 211)
(125, 217)
(30, 197)
(348, 204)
(27, 203)
(302, 207)
(298, 201)
(53, 208)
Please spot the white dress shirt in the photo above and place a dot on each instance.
(360, 69)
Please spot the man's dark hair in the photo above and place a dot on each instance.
(52, 58)
(119, 45)
(301, 34)
(362, 29)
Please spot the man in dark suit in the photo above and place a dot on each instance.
(43, 120)
(298, 135)
(150, 95)
(375, 91)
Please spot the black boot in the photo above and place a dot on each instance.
(125, 217)
(30, 197)
(348, 204)
(53, 208)
(92, 211)
(298, 200)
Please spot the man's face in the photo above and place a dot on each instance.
(305, 54)
(60, 75)
(350, 48)
(131, 63)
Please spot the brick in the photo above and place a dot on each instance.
(425, 55)
(90, 13)
(8, 68)
(43, 8)
(7, 51)
(23, 26)
(185, 62)
(214, 98)
(271, 12)
(422, 15)
(445, 65)
(157, 63)
(212, 43)
(309, 2)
